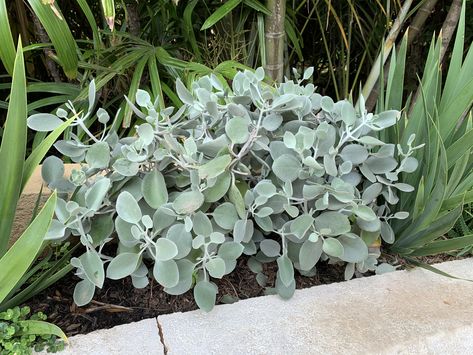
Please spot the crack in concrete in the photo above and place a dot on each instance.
(161, 336)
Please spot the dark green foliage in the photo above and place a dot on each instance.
(17, 335)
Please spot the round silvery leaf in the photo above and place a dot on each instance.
(56, 230)
(230, 250)
(139, 282)
(401, 215)
(219, 189)
(237, 130)
(98, 155)
(44, 122)
(326, 103)
(354, 249)
(127, 208)
(370, 140)
(285, 291)
(332, 247)
(52, 169)
(285, 270)
(386, 119)
(166, 249)
(332, 223)
(202, 224)
(198, 242)
(225, 215)
(264, 212)
(96, 194)
(146, 133)
(272, 122)
(369, 226)
(371, 193)
(243, 230)
(125, 167)
(287, 167)
(214, 167)
(147, 221)
(259, 74)
(162, 220)
(348, 113)
(123, 265)
(384, 268)
(301, 225)
(188, 202)
(125, 235)
(265, 188)
(270, 247)
(329, 165)
(186, 270)
(93, 267)
(404, 187)
(101, 228)
(205, 294)
(188, 224)
(216, 267)
(71, 149)
(410, 165)
(142, 98)
(354, 153)
(83, 292)
(154, 189)
(381, 165)
(365, 213)
(309, 254)
(103, 116)
(166, 273)
(289, 140)
(217, 237)
(345, 168)
(387, 233)
(181, 238)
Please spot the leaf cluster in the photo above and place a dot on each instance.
(21, 332)
(281, 174)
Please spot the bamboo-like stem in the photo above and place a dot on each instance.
(274, 39)
(388, 45)
(415, 28)
(449, 26)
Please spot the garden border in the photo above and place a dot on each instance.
(403, 312)
(406, 312)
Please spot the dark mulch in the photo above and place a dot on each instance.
(118, 302)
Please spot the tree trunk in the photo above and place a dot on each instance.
(275, 39)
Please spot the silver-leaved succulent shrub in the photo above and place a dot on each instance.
(276, 173)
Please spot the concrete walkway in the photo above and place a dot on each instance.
(404, 312)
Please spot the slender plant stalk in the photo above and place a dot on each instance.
(388, 45)
(446, 33)
(415, 28)
(449, 26)
(274, 39)
(419, 20)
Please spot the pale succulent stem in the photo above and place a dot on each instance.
(275, 39)
(388, 45)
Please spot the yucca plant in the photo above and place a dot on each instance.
(16, 263)
(439, 115)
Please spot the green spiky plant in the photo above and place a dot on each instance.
(439, 115)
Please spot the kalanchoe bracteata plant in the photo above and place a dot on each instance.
(281, 174)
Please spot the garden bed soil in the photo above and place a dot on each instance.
(118, 302)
